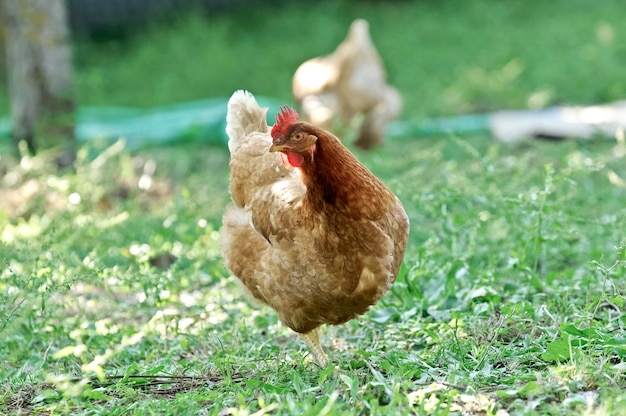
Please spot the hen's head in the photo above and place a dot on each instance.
(295, 144)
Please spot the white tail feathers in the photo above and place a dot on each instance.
(244, 116)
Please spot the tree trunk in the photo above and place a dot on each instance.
(39, 61)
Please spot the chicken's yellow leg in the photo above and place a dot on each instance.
(313, 341)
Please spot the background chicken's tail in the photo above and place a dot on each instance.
(244, 116)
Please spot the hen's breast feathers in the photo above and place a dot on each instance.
(322, 269)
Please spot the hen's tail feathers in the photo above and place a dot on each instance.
(244, 116)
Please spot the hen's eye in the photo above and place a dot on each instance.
(298, 136)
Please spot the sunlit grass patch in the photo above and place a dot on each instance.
(510, 294)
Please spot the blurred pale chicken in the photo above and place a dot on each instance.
(348, 85)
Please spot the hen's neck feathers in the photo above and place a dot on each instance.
(336, 180)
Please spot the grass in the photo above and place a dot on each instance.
(446, 58)
(114, 299)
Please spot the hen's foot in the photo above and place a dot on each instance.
(313, 341)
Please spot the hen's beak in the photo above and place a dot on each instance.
(278, 147)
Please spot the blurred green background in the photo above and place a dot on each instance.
(447, 57)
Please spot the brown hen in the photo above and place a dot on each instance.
(312, 232)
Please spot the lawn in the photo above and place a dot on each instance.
(114, 298)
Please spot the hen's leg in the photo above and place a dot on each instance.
(313, 341)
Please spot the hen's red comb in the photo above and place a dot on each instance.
(285, 118)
